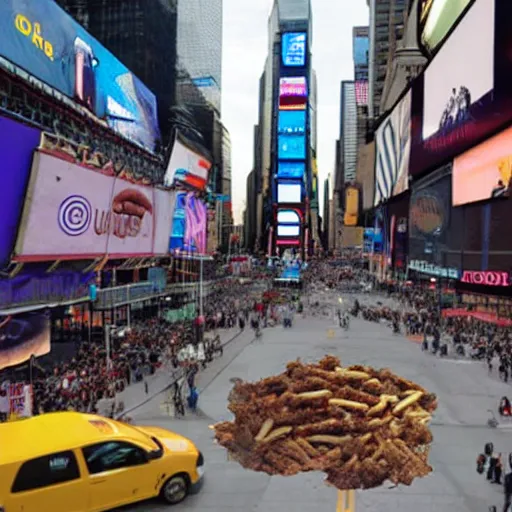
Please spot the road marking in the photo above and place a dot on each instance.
(346, 501)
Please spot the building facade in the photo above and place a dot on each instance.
(348, 130)
(199, 45)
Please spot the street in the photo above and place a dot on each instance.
(465, 393)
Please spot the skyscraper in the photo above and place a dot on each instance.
(199, 45)
(287, 154)
(348, 130)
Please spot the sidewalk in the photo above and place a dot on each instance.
(135, 396)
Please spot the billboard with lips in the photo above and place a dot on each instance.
(73, 212)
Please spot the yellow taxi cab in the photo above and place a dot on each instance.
(74, 462)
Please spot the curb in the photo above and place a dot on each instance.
(168, 386)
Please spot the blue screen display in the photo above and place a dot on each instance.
(361, 49)
(291, 147)
(38, 36)
(291, 170)
(178, 223)
(292, 122)
(294, 49)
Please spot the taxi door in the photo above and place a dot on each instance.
(53, 482)
(119, 473)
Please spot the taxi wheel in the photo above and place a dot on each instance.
(175, 489)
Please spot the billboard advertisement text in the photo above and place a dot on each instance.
(291, 147)
(39, 37)
(484, 172)
(393, 148)
(187, 166)
(74, 212)
(294, 49)
(17, 145)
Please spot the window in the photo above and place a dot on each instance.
(53, 469)
(113, 455)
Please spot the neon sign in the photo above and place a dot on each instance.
(487, 278)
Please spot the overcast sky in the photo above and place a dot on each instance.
(244, 53)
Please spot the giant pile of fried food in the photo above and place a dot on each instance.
(359, 425)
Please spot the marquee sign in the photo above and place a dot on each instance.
(488, 278)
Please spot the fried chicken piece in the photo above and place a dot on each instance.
(349, 393)
(310, 384)
(329, 363)
(284, 465)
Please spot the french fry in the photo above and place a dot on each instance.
(349, 404)
(352, 374)
(325, 439)
(379, 422)
(264, 430)
(275, 434)
(307, 447)
(406, 402)
(323, 393)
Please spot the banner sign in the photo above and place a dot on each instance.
(39, 37)
(23, 336)
(44, 288)
(20, 400)
(187, 166)
(17, 145)
(487, 278)
(434, 270)
(73, 212)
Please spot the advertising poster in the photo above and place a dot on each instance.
(187, 166)
(294, 49)
(165, 202)
(393, 148)
(39, 37)
(178, 223)
(291, 122)
(484, 172)
(196, 219)
(23, 336)
(293, 87)
(291, 170)
(429, 219)
(291, 147)
(289, 193)
(351, 206)
(437, 17)
(73, 212)
(17, 145)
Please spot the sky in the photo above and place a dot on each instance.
(245, 46)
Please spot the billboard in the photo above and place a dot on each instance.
(437, 17)
(186, 166)
(393, 147)
(73, 212)
(453, 89)
(361, 49)
(289, 192)
(189, 225)
(17, 145)
(293, 86)
(293, 49)
(484, 172)
(291, 122)
(351, 206)
(23, 336)
(430, 218)
(39, 37)
(291, 170)
(291, 147)
(284, 230)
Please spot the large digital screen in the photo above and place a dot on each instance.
(437, 17)
(39, 37)
(189, 225)
(291, 147)
(452, 88)
(292, 122)
(178, 223)
(294, 49)
(484, 172)
(73, 212)
(289, 193)
(17, 145)
(293, 86)
(361, 48)
(294, 170)
(284, 230)
(456, 106)
(288, 217)
(393, 147)
(187, 166)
